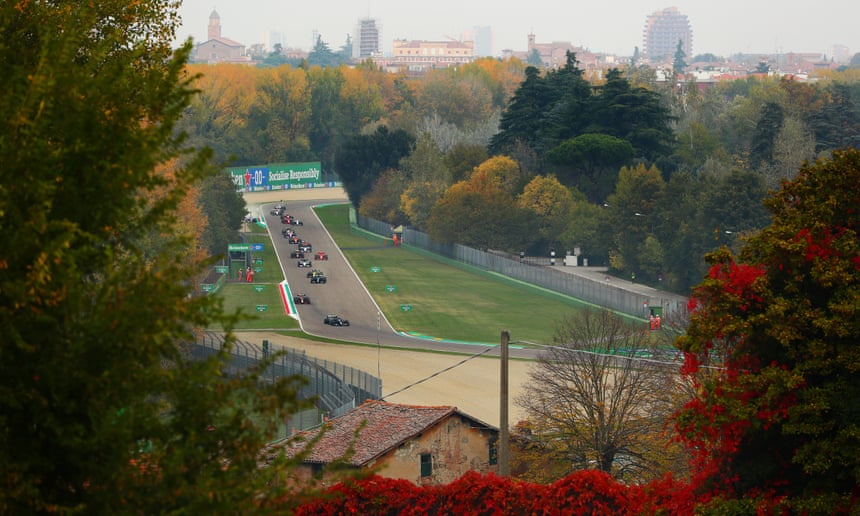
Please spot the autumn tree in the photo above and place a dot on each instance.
(591, 403)
(101, 411)
(427, 179)
(482, 211)
(278, 117)
(551, 203)
(778, 426)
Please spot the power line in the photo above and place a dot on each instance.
(437, 373)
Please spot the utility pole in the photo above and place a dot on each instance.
(504, 466)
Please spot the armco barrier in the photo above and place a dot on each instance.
(335, 387)
(599, 293)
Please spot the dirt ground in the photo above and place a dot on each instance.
(410, 377)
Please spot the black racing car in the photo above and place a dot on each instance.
(304, 262)
(297, 254)
(314, 272)
(319, 278)
(335, 320)
(301, 299)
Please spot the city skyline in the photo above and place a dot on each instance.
(732, 26)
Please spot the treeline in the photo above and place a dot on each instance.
(641, 176)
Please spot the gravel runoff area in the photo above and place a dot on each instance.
(417, 377)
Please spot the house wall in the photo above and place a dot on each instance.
(456, 447)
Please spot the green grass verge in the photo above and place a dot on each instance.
(428, 295)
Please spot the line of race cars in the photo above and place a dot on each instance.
(304, 247)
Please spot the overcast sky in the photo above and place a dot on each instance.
(721, 27)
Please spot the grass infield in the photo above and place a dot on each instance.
(428, 295)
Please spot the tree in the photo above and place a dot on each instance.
(534, 58)
(522, 120)
(590, 162)
(779, 421)
(632, 218)
(679, 65)
(361, 159)
(427, 179)
(321, 55)
(225, 210)
(593, 405)
(551, 203)
(764, 137)
(101, 410)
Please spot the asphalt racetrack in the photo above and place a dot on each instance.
(413, 371)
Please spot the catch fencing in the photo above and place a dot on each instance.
(532, 271)
(335, 388)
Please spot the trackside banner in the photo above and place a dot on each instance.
(276, 176)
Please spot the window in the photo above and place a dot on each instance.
(494, 452)
(426, 465)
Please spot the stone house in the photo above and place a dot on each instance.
(425, 445)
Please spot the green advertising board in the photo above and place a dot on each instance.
(406, 308)
(276, 176)
(262, 308)
(390, 288)
(259, 288)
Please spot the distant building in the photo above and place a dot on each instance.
(554, 55)
(425, 445)
(367, 40)
(663, 30)
(420, 56)
(483, 38)
(218, 49)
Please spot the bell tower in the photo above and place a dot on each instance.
(214, 25)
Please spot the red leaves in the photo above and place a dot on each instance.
(584, 492)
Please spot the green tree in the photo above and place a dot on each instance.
(679, 65)
(361, 159)
(522, 120)
(780, 418)
(427, 179)
(534, 58)
(225, 209)
(101, 411)
(635, 114)
(632, 216)
(590, 162)
(321, 55)
(766, 131)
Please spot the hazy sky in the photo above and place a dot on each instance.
(720, 27)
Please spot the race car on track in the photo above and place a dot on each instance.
(320, 256)
(314, 272)
(296, 222)
(287, 232)
(297, 254)
(319, 278)
(335, 320)
(301, 299)
(304, 262)
(305, 247)
(295, 239)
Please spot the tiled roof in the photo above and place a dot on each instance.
(386, 426)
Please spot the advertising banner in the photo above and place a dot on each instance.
(276, 176)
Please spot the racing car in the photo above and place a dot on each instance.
(301, 299)
(335, 320)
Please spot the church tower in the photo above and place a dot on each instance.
(214, 25)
